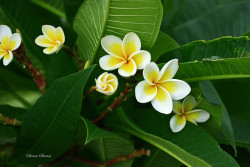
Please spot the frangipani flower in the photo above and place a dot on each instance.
(159, 87)
(184, 112)
(125, 55)
(106, 83)
(53, 39)
(9, 43)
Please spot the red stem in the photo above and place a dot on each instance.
(134, 154)
(75, 55)
(37, 75)
(115, 103)
(8, 121)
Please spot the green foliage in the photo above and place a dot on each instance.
(97, 19)
(209, 38)
(50, 125)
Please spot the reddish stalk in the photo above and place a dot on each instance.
(75, 55)
(134, 154)
(122, 97)
(8, 121)
(35, 73)
(115, 103)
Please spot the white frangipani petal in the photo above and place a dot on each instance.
(188, 104)
(178, 89)
(141, 58)
(14, 41)
(8, 58)
(113, 46)
(4, 31)
(199, 115)
(110, 62)
(169, 70)
(151, 73)
(145, 92)
(131, 44)
(177, 123)
(162, 101)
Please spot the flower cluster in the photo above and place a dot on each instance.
(159, 87)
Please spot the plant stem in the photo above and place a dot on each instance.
(75, 55)
(122, 97)
(8, 121)
(134, 154)
(115, 103)
(37, 75)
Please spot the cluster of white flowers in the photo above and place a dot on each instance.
(126, 55)
(159, 87)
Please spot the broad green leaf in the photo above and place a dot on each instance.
(163, 44)
(56, 7)
(192, 146)
(96, 19)
(211, 95)
(221, 58)
(12, 112)
(215, 69)
(50, 126)
(107, 145)
(23, 94)
(192, 20)
(213, 125)
(241, 133)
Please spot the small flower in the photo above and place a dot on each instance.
(184, 112)
(125, 55)
(106, 83)
(9, 43)
(53, 39)
(159, 87)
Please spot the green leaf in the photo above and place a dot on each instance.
(192, 20)
(53, 6)
(21, 95)
(50, 125)
(163, 44)
(107, 145)
(222, 58)
(211, 95)
(96, 19)
(213, 125)
(192, 146)
(241, 133)
(157, 158)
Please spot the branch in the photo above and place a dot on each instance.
(115, 103)
(37, 75)
(75, 55)
(8, 121)
(134, 154)
(122, 97)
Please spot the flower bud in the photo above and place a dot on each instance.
(106, 83)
